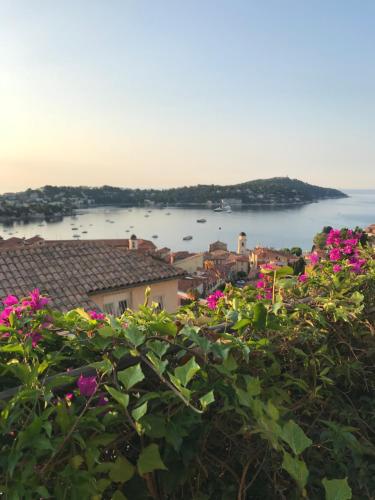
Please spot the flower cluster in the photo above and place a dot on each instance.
(265, 284)
(96, 315)
(16, 308)
(344, 250)
(213, 299)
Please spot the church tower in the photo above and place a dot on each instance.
(241, 244)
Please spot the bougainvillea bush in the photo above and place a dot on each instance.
(267, 392)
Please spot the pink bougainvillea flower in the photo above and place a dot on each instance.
(356, 265)
(87, 385)
(69, 396)
(334, 237)
(347, 250)
(302, 278)
(11, 300)
(335, 254)
(259, 296)
(213, 299)
(313, 258)
(260, 284)
(103, 400)
(35, 338)
(337, 268)
(268, 295)
(37, 301)
(268, 266)
(260, 275)
(96, 315)
(4, 315)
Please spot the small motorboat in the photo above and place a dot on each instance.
(187, 238)
(74, 228)
(218, 209)
(201, 220)
(84, 232)
(155, 236)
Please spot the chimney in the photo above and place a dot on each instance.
(133, 242)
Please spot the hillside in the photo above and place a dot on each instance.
(275, 191)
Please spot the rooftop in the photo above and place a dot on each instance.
(70, 272)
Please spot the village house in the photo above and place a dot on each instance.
(92, 275)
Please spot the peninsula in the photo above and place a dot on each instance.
(57, 201)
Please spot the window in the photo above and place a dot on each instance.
(122, 306)
(159, 300)
(109, 308)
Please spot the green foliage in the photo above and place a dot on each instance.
(260, 399)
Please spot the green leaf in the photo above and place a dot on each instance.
(131, 376)
(165, 328)
(253, 386)
(295, 437)
(241, 324)
(150, 460)
(207, 399)
(260, 316)
(59, 381)
(12, 348)
(187, 371)
(284, 271)
(139, 412)
(296, 468)
(122, 470)
(120, 397)
(106, 331)
(117, 495)
(337, 489)
(158, 364)
(134, 335)
(76, 461)
(158, 347)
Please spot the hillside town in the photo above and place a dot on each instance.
(113, 274)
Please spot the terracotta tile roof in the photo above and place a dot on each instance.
(69, 272)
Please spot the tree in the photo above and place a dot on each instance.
(296, 251)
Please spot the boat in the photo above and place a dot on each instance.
(76, 236)
(227, 208)
(201, 220)
(155, 236)
(84, 232)
(74, 228)
(187, 238)
(147, 215)
(168, 213)
(218, 209)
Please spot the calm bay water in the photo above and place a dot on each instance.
(277, 227)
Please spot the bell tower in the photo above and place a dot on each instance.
(241, 244)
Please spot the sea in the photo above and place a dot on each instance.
(276, 227)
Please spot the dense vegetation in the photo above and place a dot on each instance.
(278, 190)
(263, 393)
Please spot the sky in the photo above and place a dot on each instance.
(147, 93)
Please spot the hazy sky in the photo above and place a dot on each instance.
(164, 93)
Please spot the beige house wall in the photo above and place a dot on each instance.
(190, 264)
(163, 291)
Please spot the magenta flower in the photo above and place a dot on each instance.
(103, 400)
(213, 299)
(337, 268)
(334, 237)
(260, 284)
(69, 396)
(97, 316)
(11, 300)
(314, 258)
(4, 315)
(87, 385)
(37, 301)
(302, 278)
(268, 266)
(35, 338)
(348, 249)
(335, 254)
